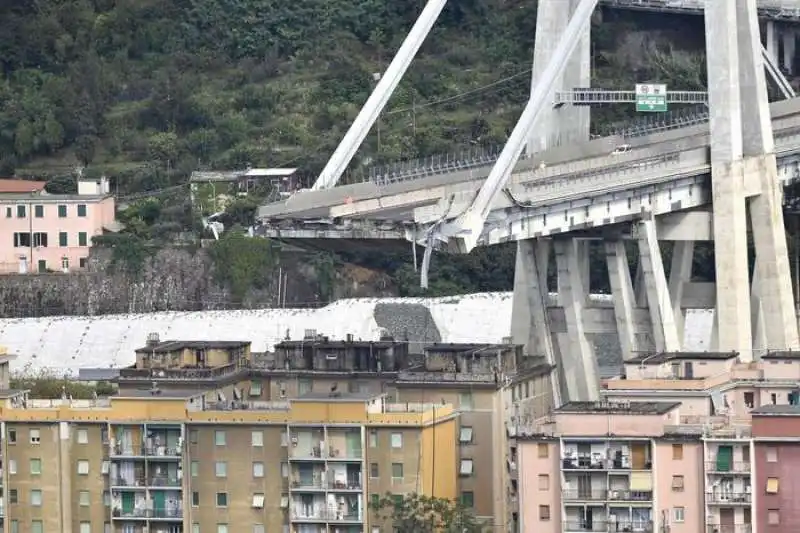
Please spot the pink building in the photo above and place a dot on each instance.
(51, 233)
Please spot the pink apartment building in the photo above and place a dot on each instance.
(44, 232)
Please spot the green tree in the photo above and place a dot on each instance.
(416, 513)
(242, 263)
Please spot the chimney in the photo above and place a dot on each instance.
(153, 340)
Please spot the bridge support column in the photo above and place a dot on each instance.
(568, 123)
(789, 48)
(665, 331)
(530, 321)
(619, 277)
(578, 362)
(680, 273)
(742, 162)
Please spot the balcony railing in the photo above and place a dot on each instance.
(326, 515)
(584, 495)
(308, 484)
(164, 514)
(600, 462)
(119, 481)
(730, 528)
(738, 467)
(630, 495)
(179, 374)
(578, 526)
(350, 484)
(164, 481)
(729, 498)
(330, 452)
(121, 450)
(633, 527)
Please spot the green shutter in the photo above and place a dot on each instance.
(724, 458)
(81, 210)
(38, 211)
(62, 238)
(62, 211)
(82, 238)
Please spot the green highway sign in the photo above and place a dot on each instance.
(651, 98)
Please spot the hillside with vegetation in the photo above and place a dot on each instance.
(146, 91)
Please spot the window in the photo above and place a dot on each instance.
(543, 451)
(773, 517)
(219, 438)
(13, 497)
(749, 400)
(258, 500)
(259, 528)
(373, 438)
(397, 440)
(257, 439)
(397, 471)
(82, 240)
(677, 483)
(81, 210)
(375, 500)
(36, 466)
(83, 467)
(465, 435)
(304, 386)
(38, 211)
(258, 469)
(772, 454)
(284, 439)
(12, 436)
(83, 498)
(222, 528)
(195, 528)
(677, 452)
(468, 499)
(63, 241)
(36, 498)
(40, 239)
(284, 470)
(221, 469)
(544, 482)
(20, 211)
(194, 467)
(62, 211)
(83, 261)
(255, 388)
(466, 467)
(9, 212)
(195, 499)
(83, 436)
(14, 526)
(86, 527)
(678, 514)
(42, 266)
(222, 499)
(772, 485)
(12, 466)
(373, 470)
(36, 526)
(36, 436)
(465, 400)
(106, 498)
(22, 240)
(544, 512)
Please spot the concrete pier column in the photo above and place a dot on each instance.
(578, 361)
(530, 322)
(680, 274)
(568, 123)
(619, 277)
(665, 331)
(772, 41)
(789, 48)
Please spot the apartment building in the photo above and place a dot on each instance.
(709, 443)
(51, 232)
(475, 378)
(171, 461)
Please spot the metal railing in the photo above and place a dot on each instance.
(326, 515)
(119, 481)
(186, 373)
(630, 495)
(584, 495)
(121, 450)
(736, 467)
(783, 9)
(176, 514)
(729, 498)
(576, 526)
(729, 528)
(164, 481)
(325, 453)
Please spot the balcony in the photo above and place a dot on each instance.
(130, 482)
(728, 468)
(148, 514)
(630, 495)
(325, 515)
(351, 485)
(308, 485)
(179, 374)
(153, 452)
(729, 498)
(584, 495)
(585, 462)
(167, 482)
(580, 526)
(735, 528)
(166, 514)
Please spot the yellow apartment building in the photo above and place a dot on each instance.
(164, 460)
(476, 379)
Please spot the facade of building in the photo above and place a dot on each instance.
(472, 378)
(680, 443)
(51, 233)
(166, 461)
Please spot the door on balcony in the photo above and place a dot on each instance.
(127, 503)
(586, 518)
(584, 455)
(726, 518)
(585, 487)
(724, 458)
(639, 456)
(353, 444)
(159, 502)
(354, 475)
(305, 474)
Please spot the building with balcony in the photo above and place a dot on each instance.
(170, 461)
(51, 232)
